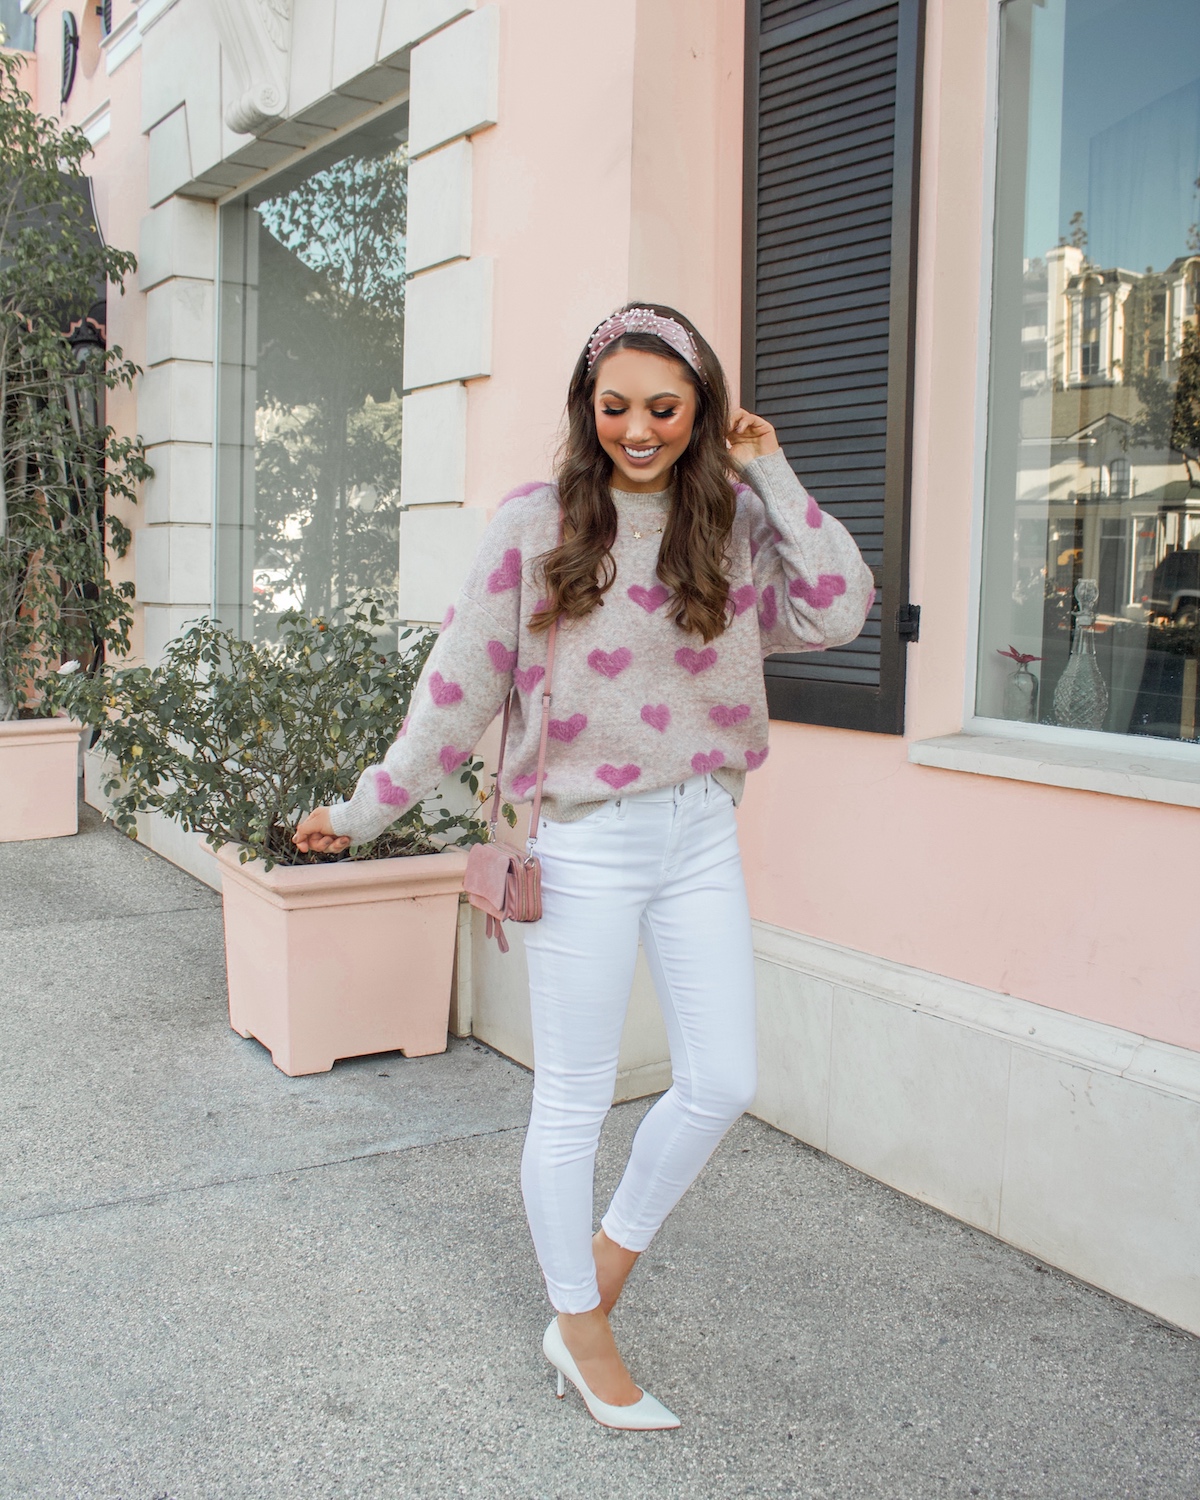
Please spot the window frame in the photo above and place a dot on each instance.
(297, 165)
(805, 700)
(1088, 743)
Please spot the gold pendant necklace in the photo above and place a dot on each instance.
(655, 531)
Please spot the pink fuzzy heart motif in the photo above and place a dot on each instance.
(618, 776)
(449, 616)
(726, 716)
(527, 678)
(451, 757)
(703, 764)
(508, 574)
(821, 594)
(649, 599)
(388, 792)
(523, 784)
(768, 611)
(755, 758)
(442, 692)
(741, 599)
(610, 663)
(523, 489)
(696, 661)
(502, 658)
(567, 729)
(657, 715)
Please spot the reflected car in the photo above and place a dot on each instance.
(1175, 588)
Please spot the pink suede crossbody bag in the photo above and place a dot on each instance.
(500, 880)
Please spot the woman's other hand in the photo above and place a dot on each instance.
(315, 835)
(750, 436)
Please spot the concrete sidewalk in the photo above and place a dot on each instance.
(218, 1282)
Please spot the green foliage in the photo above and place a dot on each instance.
(1185, 410)
(238, 740)
(60, 465)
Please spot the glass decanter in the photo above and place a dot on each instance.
(1081, 697)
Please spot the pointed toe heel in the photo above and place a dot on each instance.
(644, 1415)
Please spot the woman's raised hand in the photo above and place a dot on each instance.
(750, 436)
(314, 834)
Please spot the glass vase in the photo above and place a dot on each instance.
(1021, 696)
(1081, 697)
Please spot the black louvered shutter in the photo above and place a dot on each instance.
(832, 126)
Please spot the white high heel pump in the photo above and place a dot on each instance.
(646, 1415)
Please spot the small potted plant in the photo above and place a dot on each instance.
(60, 464)
(327, 956)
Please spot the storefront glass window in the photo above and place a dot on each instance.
(311, 332)
(1092, 503)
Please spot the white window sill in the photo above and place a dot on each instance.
(1119, 771)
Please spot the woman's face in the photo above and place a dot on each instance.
(645, 409)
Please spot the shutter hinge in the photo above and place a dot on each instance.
(908, 622)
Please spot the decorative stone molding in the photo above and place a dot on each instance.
(256, 36)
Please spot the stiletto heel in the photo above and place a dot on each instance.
(562, 1384)
(644, 1415)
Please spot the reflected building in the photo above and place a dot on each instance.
(1101, 492)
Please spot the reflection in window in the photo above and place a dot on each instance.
(309, 411)
(1092, 507)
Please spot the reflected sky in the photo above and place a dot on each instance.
(1115, 128)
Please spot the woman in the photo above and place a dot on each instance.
(670, 582)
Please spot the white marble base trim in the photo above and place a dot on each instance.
(1075, 1141)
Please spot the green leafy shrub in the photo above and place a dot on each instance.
(239, 739)
(60, 464)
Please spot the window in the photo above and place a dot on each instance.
(309, 378)
(1091, 567)
(19, 28)
(832, 111)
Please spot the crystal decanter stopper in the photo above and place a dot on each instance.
(1081, 697)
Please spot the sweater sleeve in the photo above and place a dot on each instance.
(460, 690)
(814, 589)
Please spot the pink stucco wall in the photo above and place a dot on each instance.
(1070, 899)
(1063, 898)
(614, 172)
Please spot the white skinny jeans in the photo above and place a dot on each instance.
(663, 865)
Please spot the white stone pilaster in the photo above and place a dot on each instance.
(439, 207)
(433, 462)
(448, 324)
(173, 545)
(437, 543)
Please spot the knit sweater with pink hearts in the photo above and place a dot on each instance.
(637, 702)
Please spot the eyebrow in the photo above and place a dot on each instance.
(662, 396)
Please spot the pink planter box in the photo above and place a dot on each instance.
(329, 961)
(39, 778)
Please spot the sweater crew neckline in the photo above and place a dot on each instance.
(633, 500)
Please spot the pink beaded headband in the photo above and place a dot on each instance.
(644, 320)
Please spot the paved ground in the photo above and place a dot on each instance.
(219, 1283)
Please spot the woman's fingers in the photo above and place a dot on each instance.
(314, 834)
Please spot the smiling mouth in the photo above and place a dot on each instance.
(641, 455)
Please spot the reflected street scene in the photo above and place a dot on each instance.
(311, 352)
(1091, 572)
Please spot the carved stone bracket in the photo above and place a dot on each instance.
(256, 36)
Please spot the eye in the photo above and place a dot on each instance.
(663, 416)
(613, 411)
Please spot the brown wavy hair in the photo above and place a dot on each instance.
(692, 560)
